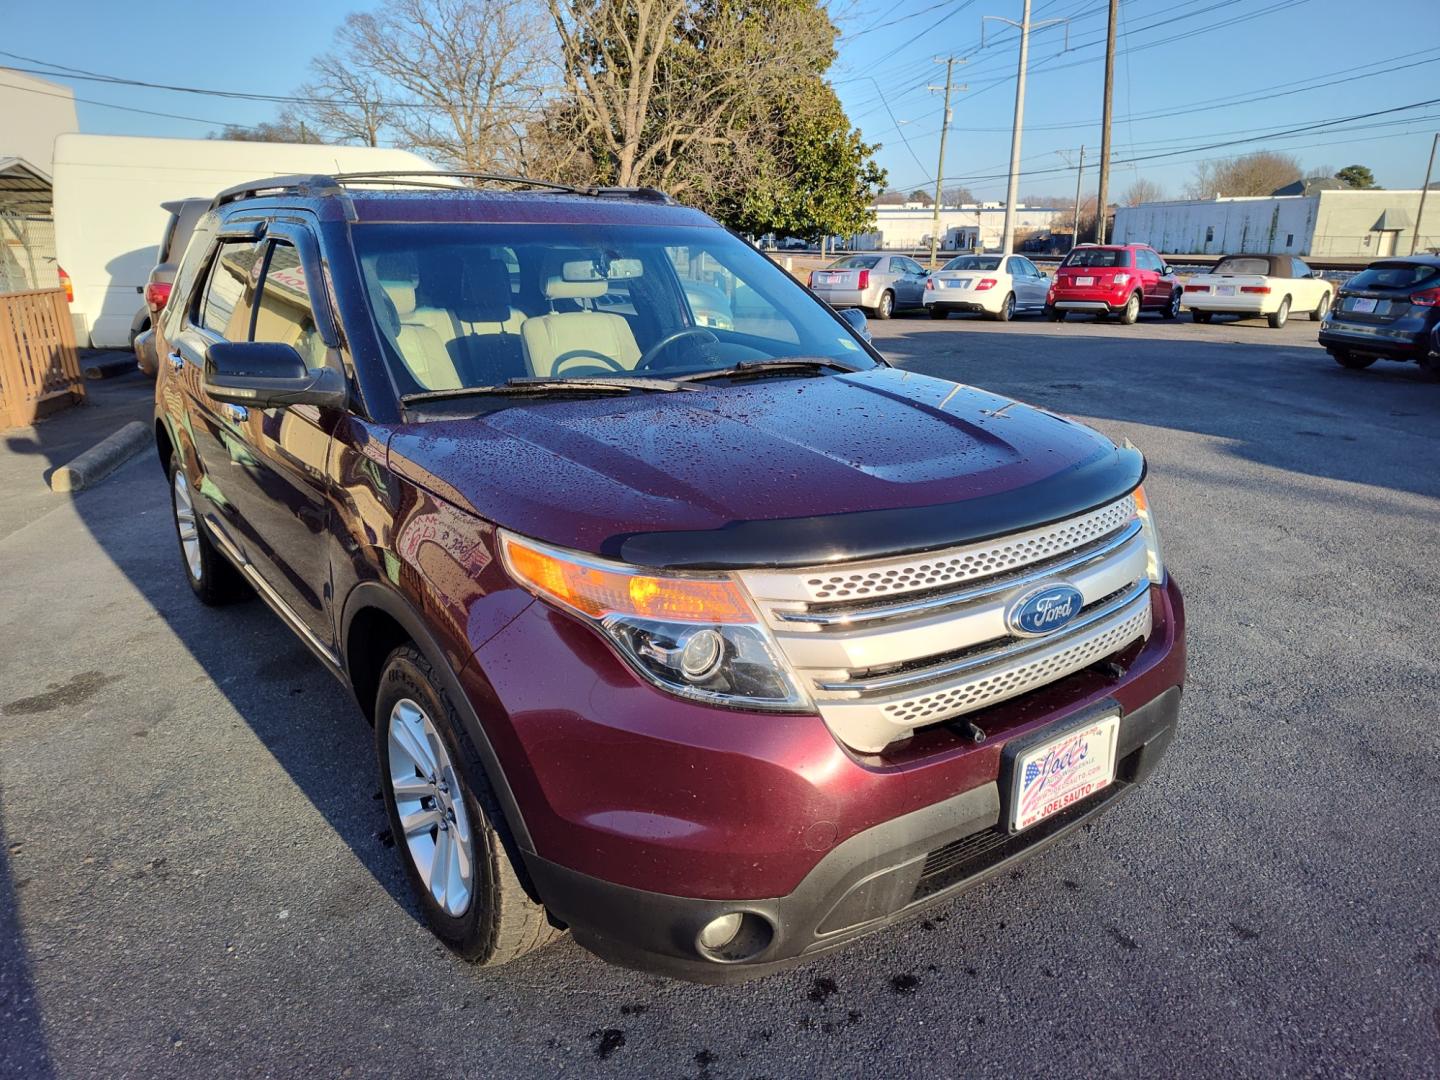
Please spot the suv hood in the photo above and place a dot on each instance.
(768, 472)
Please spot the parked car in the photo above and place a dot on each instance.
(184, 213)
(1254, 286)
(996, 285)
(719, 646)
(878, 284)
(1113, 279)
(1388, 311)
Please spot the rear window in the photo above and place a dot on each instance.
(1394, 276)
(1249, 265)
(1097, 257)
(974, 262)
(856, 262)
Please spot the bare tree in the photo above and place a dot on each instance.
(1260, 173)
(957, 196)
(1143, 191)
(347, 100)
(455, 78)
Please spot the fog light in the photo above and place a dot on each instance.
(720, 932)
(700, 658)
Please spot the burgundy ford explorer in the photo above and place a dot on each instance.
(683, 620)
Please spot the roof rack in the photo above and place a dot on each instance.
(434, 179)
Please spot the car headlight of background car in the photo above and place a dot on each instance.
(696, 636)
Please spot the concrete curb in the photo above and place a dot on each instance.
(109, 367)
(100, 460)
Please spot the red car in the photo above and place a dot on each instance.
(1114, 279)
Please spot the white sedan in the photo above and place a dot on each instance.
(996, 285)
(1255, 286)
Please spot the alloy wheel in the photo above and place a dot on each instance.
(187, 526)
(430, 804)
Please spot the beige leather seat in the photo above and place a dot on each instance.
(423, 351)
(571, 339)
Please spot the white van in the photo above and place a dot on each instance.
(109, 219)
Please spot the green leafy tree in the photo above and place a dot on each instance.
(1357, 176)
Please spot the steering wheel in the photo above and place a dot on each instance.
(585, 354)
(669, 339)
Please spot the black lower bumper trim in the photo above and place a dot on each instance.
(878, 877)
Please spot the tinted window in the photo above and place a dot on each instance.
(1394, 276)
(973, 262)
(285, 312)
(1241, 265)
(1097, 257)
(225, 307)
(855, 262)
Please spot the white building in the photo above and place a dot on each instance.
(1364, 224)
(962, 228)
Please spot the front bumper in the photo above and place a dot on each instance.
(875, 878)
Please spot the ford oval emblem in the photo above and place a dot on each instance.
(1043, 610)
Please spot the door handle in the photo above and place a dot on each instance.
(177, 362)
(238, 413)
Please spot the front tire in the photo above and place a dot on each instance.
(1322, 309)
(886, 307)
(1007, 309)
(445, 820)
(1131, 311)
(212, 577)
(1280, 315)
(1172, 309)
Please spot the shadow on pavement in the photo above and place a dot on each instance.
(23, 1049)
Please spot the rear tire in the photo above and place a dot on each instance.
(886, 307)
(1131, 311)
(424, 755)
(1346, 359)
(1054, 314)
(938, 312)
(1201, 316)
(1278, 318)
(1322, 309)
(213, 578)
(1430, 366)
(1007, 309)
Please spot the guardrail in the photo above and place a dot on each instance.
(39, 367)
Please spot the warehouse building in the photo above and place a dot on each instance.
(976, 226)
(1315, 220)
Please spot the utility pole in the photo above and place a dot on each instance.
(1424, 190)
(1105, 124)
(1079, 173)
(1007, 241)
(940, 167)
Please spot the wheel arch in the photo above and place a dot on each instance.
(164, 445)
(377, 618)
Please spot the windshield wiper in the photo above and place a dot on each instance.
(530, 384)
(779, 363)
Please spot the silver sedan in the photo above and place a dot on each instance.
(877, 283)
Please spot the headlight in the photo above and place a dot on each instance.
(693, 635)
(1155, 563)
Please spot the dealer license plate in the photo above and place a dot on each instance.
(1363, 304)
(1057, 774)
(828, 279)
(1224, 290)
(1084, 281)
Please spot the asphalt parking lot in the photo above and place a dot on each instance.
(194, 878)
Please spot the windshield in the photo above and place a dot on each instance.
(471, 305)
(1097, 257)
(973, 262)
(1394, 276)
(1250, 265)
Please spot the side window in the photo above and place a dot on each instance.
(230, 290)
(722, 300)
(285, 313)
(1301, 270)
(1028, 268)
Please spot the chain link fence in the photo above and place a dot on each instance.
(27, 253)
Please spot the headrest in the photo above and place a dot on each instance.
(385, 312)
(484, 292)
(557, 288)
(440, 274)
(395, 266)
(402, 296)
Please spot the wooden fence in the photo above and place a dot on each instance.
(39, 367)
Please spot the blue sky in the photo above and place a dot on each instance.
(1175, 58)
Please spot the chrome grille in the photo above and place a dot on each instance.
(915, 641)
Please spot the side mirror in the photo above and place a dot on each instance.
(269, 374)
(856, 318)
